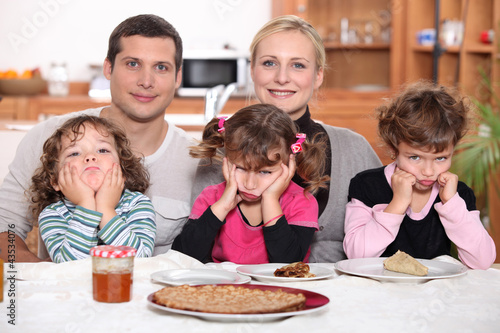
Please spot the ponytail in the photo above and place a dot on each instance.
(311, 163)
(212, 141)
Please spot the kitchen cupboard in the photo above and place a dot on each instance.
(457, 65)
(383, 59)
(363, 67)
(14, 108)
(363, 40)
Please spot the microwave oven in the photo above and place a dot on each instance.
(204, 69)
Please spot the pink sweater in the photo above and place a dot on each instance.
(368, 231)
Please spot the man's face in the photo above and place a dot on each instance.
(144, 78)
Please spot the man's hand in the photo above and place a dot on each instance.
(21, 252)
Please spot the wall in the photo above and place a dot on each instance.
(34, 33)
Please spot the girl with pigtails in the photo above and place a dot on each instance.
(258, 214)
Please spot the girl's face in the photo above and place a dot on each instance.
(93, 154)
(252, 183)
(425, 165)
(285, 72)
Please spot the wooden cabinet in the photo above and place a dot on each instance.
(196, 105)
(362, 38)
(457, 65)
(14, 108)
(45, 105)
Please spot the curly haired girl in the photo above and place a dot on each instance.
(88, 191)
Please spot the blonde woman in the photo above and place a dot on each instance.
(287, 67)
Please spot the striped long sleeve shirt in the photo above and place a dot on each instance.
(70, 231)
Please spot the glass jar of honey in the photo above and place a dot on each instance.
(112, 273)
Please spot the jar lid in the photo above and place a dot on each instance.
(111, 251)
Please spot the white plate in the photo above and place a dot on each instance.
(177, 277)
(314, 302)
(265, 273)
(374, 268)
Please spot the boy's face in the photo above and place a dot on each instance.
(93, 154)
(144, 78)
(425, 165)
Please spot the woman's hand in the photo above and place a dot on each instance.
(448, 185)
(109, 194)
(402, 187)
(74, 189)
(230, 198)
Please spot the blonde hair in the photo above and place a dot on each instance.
(290, 23)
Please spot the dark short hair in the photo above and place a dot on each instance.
(146, 25)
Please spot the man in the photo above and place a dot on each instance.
(143, 65)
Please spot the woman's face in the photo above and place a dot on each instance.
(285, 72)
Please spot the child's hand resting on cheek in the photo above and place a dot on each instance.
(230, 198)
(448, 186)
(402, 185)
(74, 189)
(276, 189)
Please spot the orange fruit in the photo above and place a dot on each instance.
(10, 74)
(27, 74)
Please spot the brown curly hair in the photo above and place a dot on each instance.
(41, 191)
(254, 131)
(423, 115)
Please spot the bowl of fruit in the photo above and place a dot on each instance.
(29, 82)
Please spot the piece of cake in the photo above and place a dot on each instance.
(404, 263)
(294, 270)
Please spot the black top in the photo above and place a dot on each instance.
(310, 128)
(284, 243)
(424, 238)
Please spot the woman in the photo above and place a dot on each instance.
(287, 67)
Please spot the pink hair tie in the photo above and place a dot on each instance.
(221, 124)
(297, 146)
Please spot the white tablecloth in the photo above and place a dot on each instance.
(58, 298)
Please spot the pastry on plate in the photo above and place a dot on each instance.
(294, 270)
(228, 299)
(404, 263)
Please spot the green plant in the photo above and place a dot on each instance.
(478, 156)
